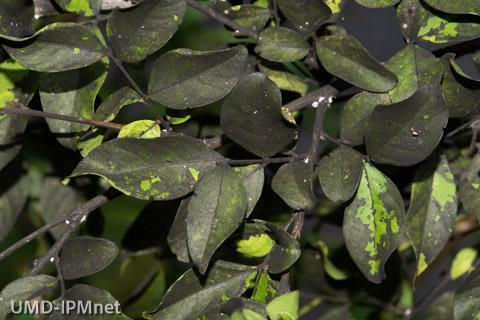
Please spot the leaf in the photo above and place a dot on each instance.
(285, 80)
(334, 5)
(11, 128)
(111, 106)
(84, 256)
(447, 28)
(88, 8)
(17, 18)
(462, 94)
(463, 263)
(466, 304)
(457, 7)
(293, 183)
(284, 307)
(185, 78)
(469, 187)
(280, 44)
(247, 314)
(177, 237)
(285, 252)
(411, 15)
(215, 211)
(253, 177)
(345, 57)
(377, 3)
(339, 173)
(12, 200)
(355, 114)
(71, 93)
(190, 296)
(256, 246)
(307, 15)
(373, 223)
(328, 266)
(25, 288)
(161, 169)
(407, 132)
(442, 307)
(249, 16)
(252, 113)
(17, 84)
(433, 209)
(137, 33)
(145, 129)
(59, 47)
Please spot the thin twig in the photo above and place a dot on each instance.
(60, 278)
(461, 128)
(239, 30)
(300, 103)
(263, 160)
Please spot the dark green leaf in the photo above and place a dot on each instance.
(253, 179)
(285, 252)
(469, 188)
(373, 223)
(137, 33)
(84, 256)
(87, 8)
(251, 116)
(466, 304)
(345, 57)
(285, 80)
(111, 106)
(442, 307)
(184, 78)
(407, 132)
(190, 296)
(71, 93)
(433, 209)
(27, 288)
(16, 18)
(457, 6)
(411, 15)
(377, 3)
(293, 183)
(160, 169)
(307, 15)
(12, 200)
(215, 211)
(249, 16)
(11, 129)
(339, 173)
(177, 237)
(281, 44)
(59, 47)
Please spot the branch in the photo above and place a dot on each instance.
(300, 103)
(221, 18)
(77, 216)
(263, 160)
(19, 109)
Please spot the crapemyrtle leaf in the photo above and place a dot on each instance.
(344, 56)
(442, 307)
(190, 296)
(111, 106)
(377, 3)
(185, 78)
(280, 44)
(253, 177)
(447, 28)
(256, 246)
(307, 15)
(249, 16)
(285, 252)
(328, 266)
(406, 133)
(469, 187)
(476, 57)
(144, 129)
(138, 32)
(339, 173)
(466, 305)
(373, 223)
(71, 93)
(461, 93)
(433, 209)
(11, 129)
(215, 211)
(17, 18)
(246, 314)
(411, 14)
(88, 8)
(59, 47)
(463, 263)
(457, 7)
(177, 237)
(84, 256)
(161, 169)
(334, 5)
(293, 183)
(251, 116)
(355, 114)
(121, 4)
(285, 80)
(285, 306)
(12, 200)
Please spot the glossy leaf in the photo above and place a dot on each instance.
(463, 263)
(285, 80)
(251, 116)
(249, 16)
(373, 224)
(377, 3)
(88, 8)
(467, 299)
(457, 7)
(281, 44)
(17, 18)
(339, 173)
(285, 306)
(293, 183)
(190, 296)
(215, 211)
(160, 169)
(12, 200)
(59, 47)
(345, 57)
(137, 33)
(83, 256)
(253, 177)
(469, 187)
(184, 78)
(433, 209)
(407, 132)
(307, 15)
